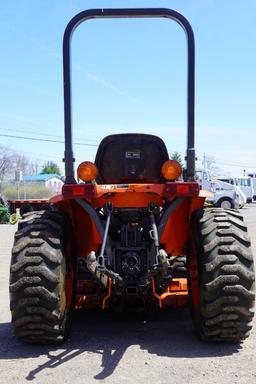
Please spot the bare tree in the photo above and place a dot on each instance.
(22, 163)
(33, 168)
(11, 161)
(6, 162)
(210, 163)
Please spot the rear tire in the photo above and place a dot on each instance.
(223, 301)
(37, 279)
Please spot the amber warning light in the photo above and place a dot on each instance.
(171, 170)
(87, 171)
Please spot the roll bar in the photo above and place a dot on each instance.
(128, 13)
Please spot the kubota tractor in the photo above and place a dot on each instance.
(130, 233)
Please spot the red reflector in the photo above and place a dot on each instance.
(182, 189)
(70, 191)
(78, 191)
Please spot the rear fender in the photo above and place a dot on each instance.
(86, 233)
(174, 237)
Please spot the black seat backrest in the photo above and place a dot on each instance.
(130, 158)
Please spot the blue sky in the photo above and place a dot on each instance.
(130, 76)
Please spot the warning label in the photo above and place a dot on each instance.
(132, 155)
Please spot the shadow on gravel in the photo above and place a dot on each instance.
(168, 334)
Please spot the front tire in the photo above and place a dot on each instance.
(38, 279)
(223, 292)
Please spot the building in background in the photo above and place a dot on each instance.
(48, 180)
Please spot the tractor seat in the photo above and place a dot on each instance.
(130, 158)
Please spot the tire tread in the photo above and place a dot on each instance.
(226, 276)
(36, 294)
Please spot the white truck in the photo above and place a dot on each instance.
(234, 181)
(252, 175)
(224, 194)
(245, 183)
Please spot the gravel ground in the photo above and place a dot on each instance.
(163, 350)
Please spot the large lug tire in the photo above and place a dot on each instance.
(223, 290)
(38, 297)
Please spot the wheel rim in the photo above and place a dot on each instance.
(225, 204)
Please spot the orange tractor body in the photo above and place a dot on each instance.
(174, 236)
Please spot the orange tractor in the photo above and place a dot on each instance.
(130, 233)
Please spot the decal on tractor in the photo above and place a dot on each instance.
(132, 155)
